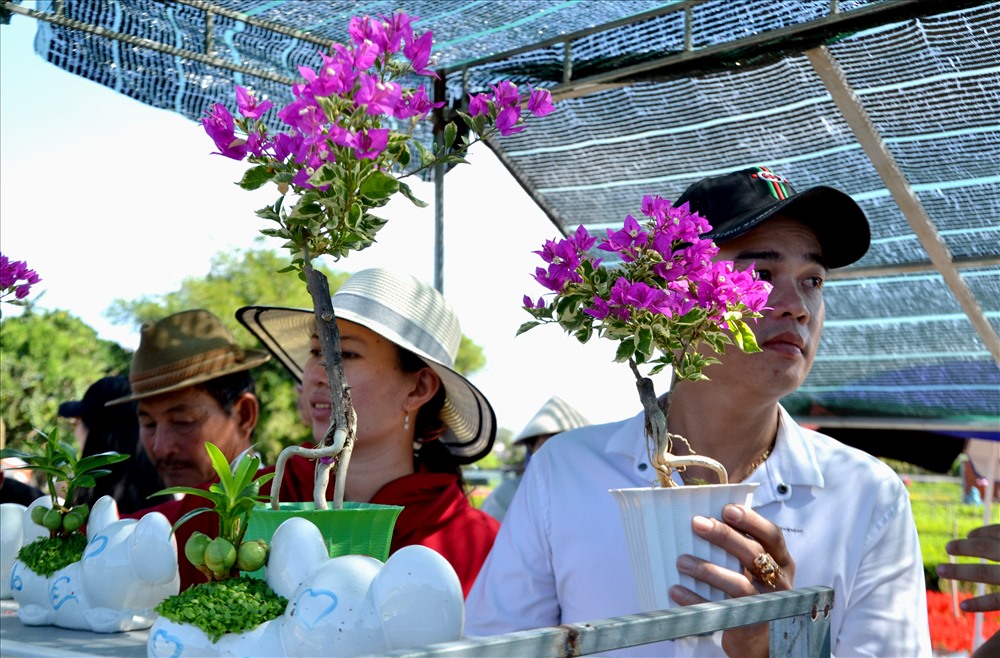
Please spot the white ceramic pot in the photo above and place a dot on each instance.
(657, 523)
(11, 540)
(127, 568)
(343, 606)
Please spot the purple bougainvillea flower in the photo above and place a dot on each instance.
(418, 51)
(540, 102)
(581, 240)
(398, 28)
(655, 207)
(369, 144)
(364, 30)
(528, 303)
(378, 98)
(479, 105)
(506, 94)
(257, 144)
(219, 126)
(303, 115)
(16, 277)
(626, 240)
(599, 310)
(415, 104)
(249, 106)
(507, 120)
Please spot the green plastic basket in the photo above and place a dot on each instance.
(357, 529)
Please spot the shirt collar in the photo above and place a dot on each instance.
(792, 463)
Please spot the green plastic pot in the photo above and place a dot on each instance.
(357, 529)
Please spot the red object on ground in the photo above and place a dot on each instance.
(955, 634)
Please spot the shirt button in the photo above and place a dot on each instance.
(643, 467)
(782, 489)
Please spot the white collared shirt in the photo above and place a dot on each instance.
(561, 556)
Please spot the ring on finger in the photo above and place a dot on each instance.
(765, 569)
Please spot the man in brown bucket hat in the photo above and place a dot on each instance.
(192, 385)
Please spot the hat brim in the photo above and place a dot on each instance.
(251, 359)
(287, 333)
(836, 219)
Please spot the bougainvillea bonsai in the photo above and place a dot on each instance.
(347, 146)
(663, 299)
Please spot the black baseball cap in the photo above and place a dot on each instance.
(91, 408)
(737, 202)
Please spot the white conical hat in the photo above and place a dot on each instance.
(555, 416)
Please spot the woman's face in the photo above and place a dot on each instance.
(381, 391)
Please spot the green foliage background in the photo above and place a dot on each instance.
(940, 516)
(47, 358)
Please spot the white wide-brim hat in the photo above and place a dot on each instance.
(412, 315)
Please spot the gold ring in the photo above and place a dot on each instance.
(765, 569)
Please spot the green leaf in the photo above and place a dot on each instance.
(221, 466)
(326, 174)
(527, 325)
(85, 481)
(744, 337)
(190, 515)
(193, 491)
(18, 454)
(644, 341)
(625, 351)
(379, 185)
(99, 461)
(256, 177)
(450, 132)
(408, 193)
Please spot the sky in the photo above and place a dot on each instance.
(107, 198)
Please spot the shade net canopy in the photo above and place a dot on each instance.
(654, 95)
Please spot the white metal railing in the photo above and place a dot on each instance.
(799, 621)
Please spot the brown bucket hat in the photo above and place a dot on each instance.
(182, 350)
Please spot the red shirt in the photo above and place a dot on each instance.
(436, 513)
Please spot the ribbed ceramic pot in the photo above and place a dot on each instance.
(657, 523)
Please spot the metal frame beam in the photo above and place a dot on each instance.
(856, 116)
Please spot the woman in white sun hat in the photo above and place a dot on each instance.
(418, 419)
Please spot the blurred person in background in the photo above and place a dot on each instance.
(555, 416)
(105, 429)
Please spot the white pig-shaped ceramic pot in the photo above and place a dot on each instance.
(127, 568)
(343, 606)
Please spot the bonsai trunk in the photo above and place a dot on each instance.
(659, 441)
(339, 440)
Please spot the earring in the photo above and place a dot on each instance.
(406, 423)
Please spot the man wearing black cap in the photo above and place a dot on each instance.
(824, 513)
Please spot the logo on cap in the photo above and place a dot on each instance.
(777, 186)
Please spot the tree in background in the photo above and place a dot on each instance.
(48, 357)
(241, 278)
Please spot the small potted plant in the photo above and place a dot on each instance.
(228, 602)
(86, 581)
(660, 300)
(350, 139)
(307, 603)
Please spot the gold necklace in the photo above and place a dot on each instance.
(760, 460)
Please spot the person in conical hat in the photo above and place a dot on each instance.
(554, 417)
(419, 419)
